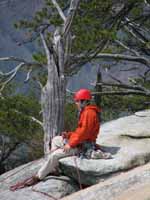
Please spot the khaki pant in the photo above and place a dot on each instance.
(52, 162)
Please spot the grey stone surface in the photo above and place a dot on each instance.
(50, 188)
(128, 140)
(118, 187)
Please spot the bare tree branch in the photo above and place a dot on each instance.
(12, 76)
(8, 73)
(71, 14)
(45, 48)
(12, 58)
(137, 30)
(127, 48)
(9, 76)
(129, 69)
(28, 76)
(36, 120)
(140, 93)
(139, 59)
(32, 118)
(134, 35)
(145, 1)
(69, 91)
(112, 93)
(59, 10)
(115, 79)
(121, 85)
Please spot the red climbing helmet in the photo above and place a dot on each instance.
(82, 94)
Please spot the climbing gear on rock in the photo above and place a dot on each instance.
(90, 150)
(98, 154)
(86, 149)
(25, 183)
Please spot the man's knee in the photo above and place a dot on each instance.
(58, 154)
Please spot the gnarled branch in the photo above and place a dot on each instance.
(139, 93)
(45, 48)
(28, 76)
(71, 13)
(121, 85)
(139, 59)
(31, 118)
(59, 10)
(127, 48)
(11, 76)
(129, 30)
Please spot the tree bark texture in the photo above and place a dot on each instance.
(53, 95)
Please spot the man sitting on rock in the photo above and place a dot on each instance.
(82, 140)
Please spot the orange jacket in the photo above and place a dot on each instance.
(88, 126)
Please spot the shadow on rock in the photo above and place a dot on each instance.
(113, 150)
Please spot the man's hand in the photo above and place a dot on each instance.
(67, 148)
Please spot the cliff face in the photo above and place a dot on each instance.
(12, 11)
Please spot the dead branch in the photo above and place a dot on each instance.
(127, 48)
(45, 47)
(129, 30)
(120, 93)
(111, 93)
(137, 30)
(31, 118)
(70, 16)
(28, 75)
(11, 76)
(125, 86)
(139, 59)
(130, 69)
(36, 120)
(12, 58)
(115, 79)
(59, 10)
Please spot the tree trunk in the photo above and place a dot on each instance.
(53, 96)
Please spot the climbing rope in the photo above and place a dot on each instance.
(44, 193)
(78, 173)
(16, 172)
